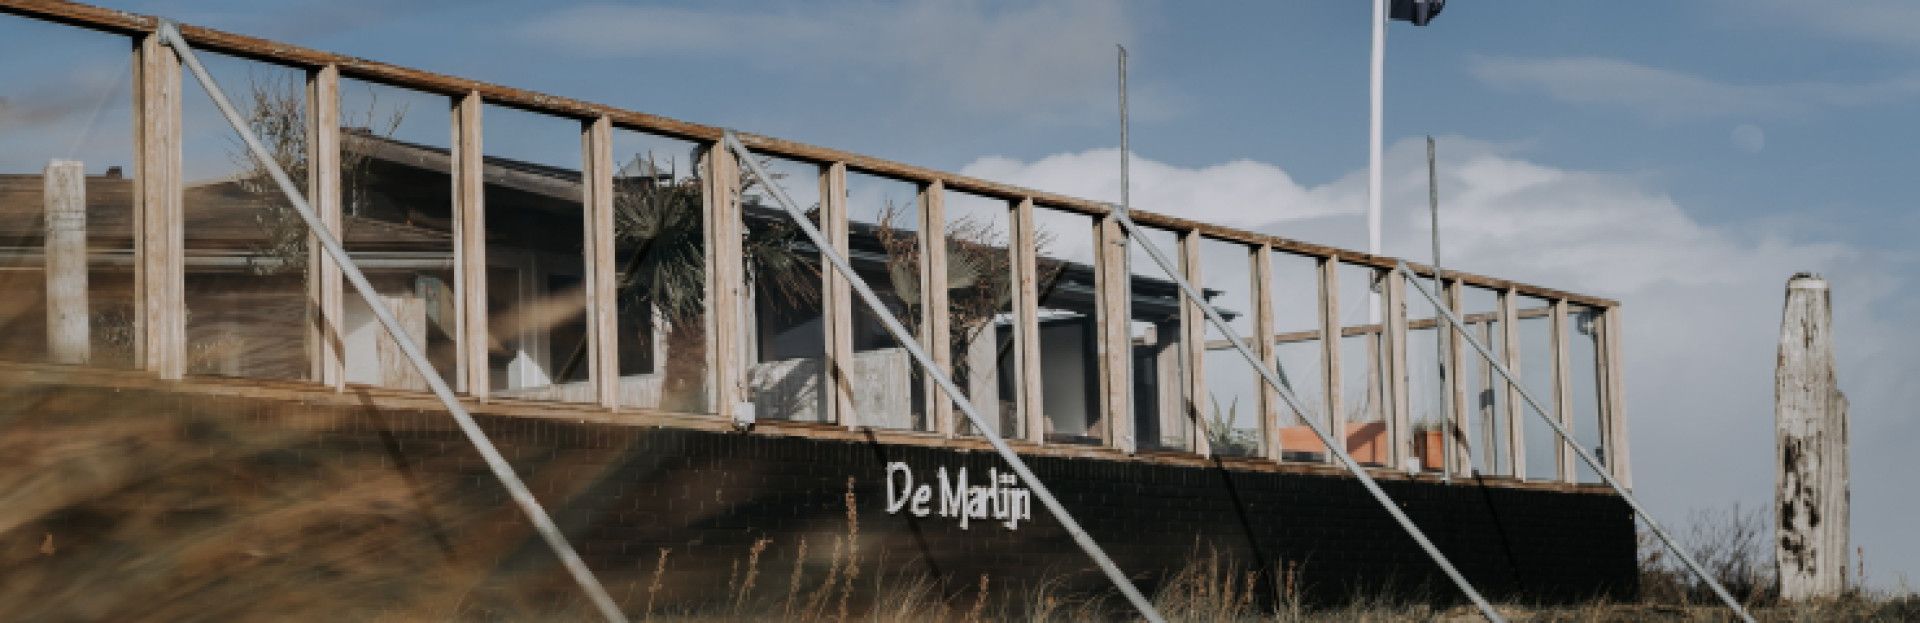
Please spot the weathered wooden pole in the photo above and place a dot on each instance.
(1810, 415)
(65, 195)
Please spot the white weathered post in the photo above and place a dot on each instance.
(66, 261)
(1810, 415)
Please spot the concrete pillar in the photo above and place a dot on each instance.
(1810, 416)
(66, 262)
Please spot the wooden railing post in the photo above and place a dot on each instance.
(1330, 382)
(160, 319)
(1456, 386)
(726, 281)
(64, 205)
(1516, 409)
(934, 315)
(324, 289)
(1399, 417)
(1619, 459)
(1195, 410)
(603, 322)
(470, 248)
(1271, 406)
(837, 308)
(1026, 312)
(1113, 282)
(1562, 393)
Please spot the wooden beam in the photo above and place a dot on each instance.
(1330, 382)
(1271, 406)
(1400, 407)
(934, 314)
(324, 289)
(1619, 458)
(470, 249)
(1516, 411)
(64, 205)
(1456, 386)
(603, 302)
(160, 276)
(1029, 390)
(837, 307)
(1115, 344)
(1563, 456)
(1194, 410)
(1491, 441)
(726, 280)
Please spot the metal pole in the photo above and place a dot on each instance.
(939, 376)
(1125, 155)
(1273, 380)
(1567, 439)
(498, 464)
(1439, 336)
(1376, 87)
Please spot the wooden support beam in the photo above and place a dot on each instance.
(1563, 455)
(726, 281)
(1194, 411)
(1812, 511)
(837, 308)
(1115, 343)
(1330, 382)
(325, 292)
(1619, 458)
(1029, 391)
(935, 318)
(1271, 407)
(1399, 404)
(1516, 411)
(1456, 385)
(64, 203)
(470, 249)
(159, 246)
(1491, 440)
(602, 289)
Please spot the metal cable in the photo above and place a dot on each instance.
(1567, 438)
(907, 340)
(503, 471)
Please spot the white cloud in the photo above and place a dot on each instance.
(1884, 22)
(1048, 59)
(1701, 301)
(1669, 94)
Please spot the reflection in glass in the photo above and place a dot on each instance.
(1069, 353)
(660, 273)
(980, 324)
(883, 232)
(1297, 357)
(786, 339)
(535, 232)
(1162, 413)
(1231, 408)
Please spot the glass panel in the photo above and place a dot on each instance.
(1424, 388)
(535, 231)
(65, 125)
(1536, 375)
(1297, 345)
(1583, 360)
(1486, 391)
(660, 248)
(1232, 404)
(396, 217)
(1069, 334)
(246, 248)
(1363, 386)
(1160, 404)
(786, 335)
(883, 231)
(980, 308)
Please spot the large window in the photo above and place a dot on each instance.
(660, 245)
(980, 319)
(1231, 409)
(884, 233)
(786, 335)
(1583, 333)
(1535, 370)
(1297, 355)
(1486, 390)
(1363, 382)
(1064, 265)
(1163, 415)
(535, 240)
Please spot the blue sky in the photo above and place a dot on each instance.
(1684, 158)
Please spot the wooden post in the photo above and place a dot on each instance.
(1400, 452)
(1271, 406)
(726, 280)
(1810, 417)
(1491, 441)
(1456, 387)
(65, 195)
(1026, 313)
(838, 305)
(1619, 458)
(324, 287)
(1336, 419)
(603, 324)
(934, 315)
(1195, 409)
(1115, 341)
(470, 249)
(1515, 413)
(160, 275)
(1563, 455)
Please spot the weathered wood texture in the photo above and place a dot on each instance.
(1114, 346)
(936, 332)
(1331, 382)
(159, 199)
(470, 248)
(726, 281)
(837, 310)
(596, 151)
(1271, 406)
(1026, 310)
(64, 192)
(1810, 415)
(1513, 416)
(325, 290)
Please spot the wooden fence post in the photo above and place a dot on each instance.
(65, 196)
(1810, 416)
